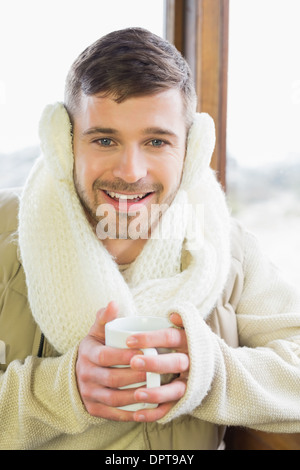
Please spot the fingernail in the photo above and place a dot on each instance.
(131, 341)
(139, 417)
(138, 362)
(142, 396)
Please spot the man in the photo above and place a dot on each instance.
(123, 216)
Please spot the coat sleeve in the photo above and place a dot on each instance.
(257, 384)
(39, 401)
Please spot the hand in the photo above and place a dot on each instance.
(97, 382)
(177, 363)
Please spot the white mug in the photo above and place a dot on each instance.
(116, 334)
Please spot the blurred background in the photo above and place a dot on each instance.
(39, 40)
(263, 125)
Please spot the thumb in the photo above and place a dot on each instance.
(176, 319)
(104, 315)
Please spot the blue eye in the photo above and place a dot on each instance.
(157, 142)
(105, 142)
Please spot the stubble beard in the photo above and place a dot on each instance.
(117, 226)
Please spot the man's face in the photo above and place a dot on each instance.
(128, 156)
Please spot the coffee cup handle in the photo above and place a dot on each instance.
(153, 379)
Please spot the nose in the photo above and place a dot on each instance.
(131, 165)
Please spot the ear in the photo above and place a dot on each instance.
(200, 147)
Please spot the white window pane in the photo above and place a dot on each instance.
(263, 143)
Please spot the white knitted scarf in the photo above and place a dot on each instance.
(69, 273)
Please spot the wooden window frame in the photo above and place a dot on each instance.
(199, 30)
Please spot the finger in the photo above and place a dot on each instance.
(109, 357)
(116, 378)
(173, 338)
(173, 363)
(176, 319)
(106, 356)
(113, 377)
(154, 414)
(103, 316)
(173, 391)
(111, 397)
(101, 410)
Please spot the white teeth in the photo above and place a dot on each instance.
(125, 196)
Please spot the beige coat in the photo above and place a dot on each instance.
(40, 407)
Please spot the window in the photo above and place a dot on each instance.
(263, 122)
(199, 30)
(39, 40)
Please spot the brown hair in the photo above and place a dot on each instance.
(127, 63)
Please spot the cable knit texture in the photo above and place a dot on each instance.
(70, 275)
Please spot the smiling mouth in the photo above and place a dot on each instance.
(126, 197)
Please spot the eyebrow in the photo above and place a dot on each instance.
(100, 130)
(159, 131)
(111, 131)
